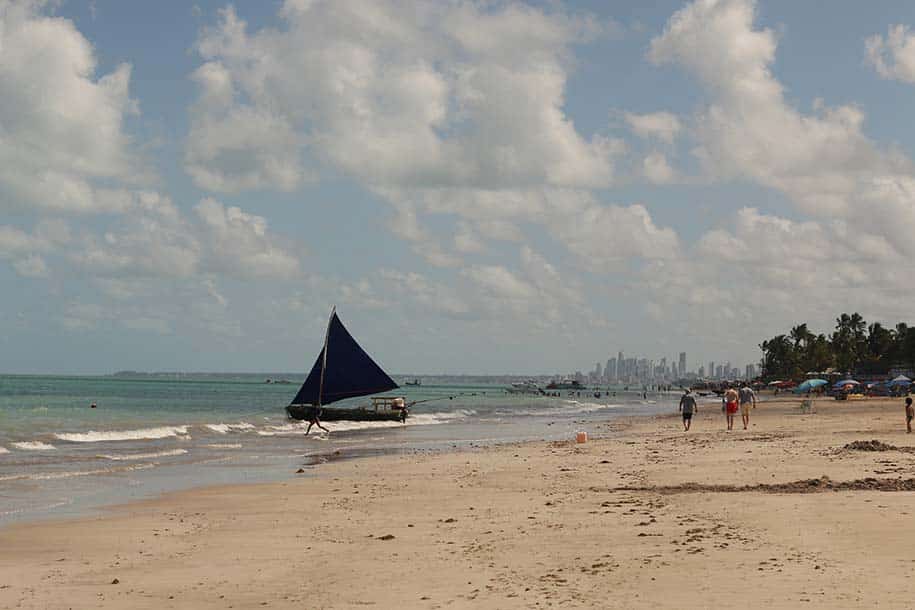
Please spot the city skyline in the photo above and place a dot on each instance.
(639, 369)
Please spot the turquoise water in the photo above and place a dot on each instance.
(59, 457)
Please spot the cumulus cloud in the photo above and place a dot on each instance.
(25, 249)
(657, 169)
(234, 147)
(661, 125)
(394, 93)
(63, 139)
(894, 56)
(418, 292)
(239, 243)
(156, 240)
(600, 235)
(823, 161)
(31, 266)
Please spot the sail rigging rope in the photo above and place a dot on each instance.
(419, 402)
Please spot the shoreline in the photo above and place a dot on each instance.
(641, 515)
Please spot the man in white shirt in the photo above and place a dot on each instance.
(747, 401)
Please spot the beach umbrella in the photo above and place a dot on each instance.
(809, 385)
(898, 381)
(846, 382)
(902, 378)
(775, 382)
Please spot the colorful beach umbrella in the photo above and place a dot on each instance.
(809, 385)
(846, 382)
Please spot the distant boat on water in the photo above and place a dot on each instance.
(414, 382)
(344, 370)
(524, 387)
(565, 384)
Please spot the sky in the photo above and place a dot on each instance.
(478, 187)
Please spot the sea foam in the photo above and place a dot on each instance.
(142, 456)
(33, 446)
(419, 419)
(122, 435)
(226, 428)
(47, 476)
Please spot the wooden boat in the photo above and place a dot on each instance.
(343, 370)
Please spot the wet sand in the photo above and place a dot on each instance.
(783, 515)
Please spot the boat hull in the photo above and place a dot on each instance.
(307, 413)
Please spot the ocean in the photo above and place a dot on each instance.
(153, 434)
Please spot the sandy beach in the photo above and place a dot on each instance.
(782, 515)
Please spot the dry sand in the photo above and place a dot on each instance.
(779, 516)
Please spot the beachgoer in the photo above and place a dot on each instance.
(747, 401)
(688, 406)
(909, 414)
(315, 421)
(730, 406)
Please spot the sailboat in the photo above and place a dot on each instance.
(344, 370)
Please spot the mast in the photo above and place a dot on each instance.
(324, 357)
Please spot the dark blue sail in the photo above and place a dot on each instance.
(349, 371)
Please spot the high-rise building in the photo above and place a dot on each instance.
(701, 371)
(597, 372)
(751, 371)
(711, 369)
(682, 364)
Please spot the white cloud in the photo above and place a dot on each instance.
(156, 240)
(758, 274)
(25, 249)
(63, 132)
(894, 56)
(822, 161)
(466, 240)
(657, 170)
(499, 283)
(405, 94)
(417, 291)
(231, 147)
(599, 235)
(238, 243)
(661, 125)
(31, 266)
(603, 236)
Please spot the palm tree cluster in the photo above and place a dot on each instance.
(854, 347)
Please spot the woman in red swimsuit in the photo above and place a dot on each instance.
(730, 403)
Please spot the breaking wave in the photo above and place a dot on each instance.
(142, 456)
(47, 476)
(33, 446)
(226, 428)
(417, 419)
(122, 435)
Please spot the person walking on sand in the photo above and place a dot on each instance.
(730, 406)
(314, 421)
(909, 414)
(688, 406)
(747, 401)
